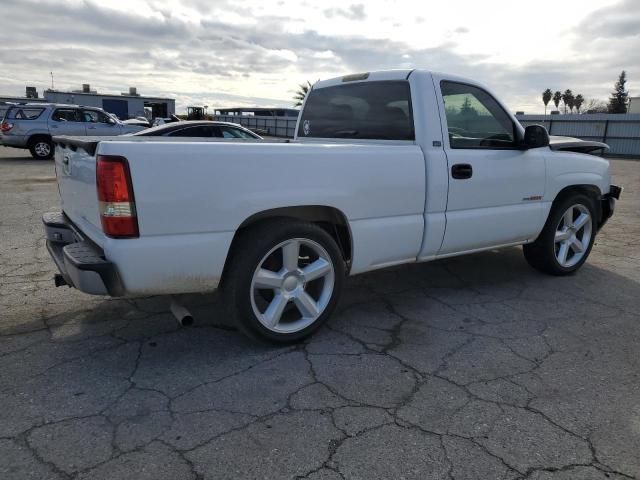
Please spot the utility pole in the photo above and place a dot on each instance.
(51, 80)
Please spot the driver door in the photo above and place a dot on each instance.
(495, 187)
(100, 124)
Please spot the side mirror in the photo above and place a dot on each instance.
(535, 136)
(111, 121)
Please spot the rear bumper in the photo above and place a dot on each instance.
(81, 263)
(17, 141)
(608, 204)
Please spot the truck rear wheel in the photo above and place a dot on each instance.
(283, 280)
(41, 147)
(567, 237)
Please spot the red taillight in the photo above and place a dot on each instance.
(6, 126)
(115, 197)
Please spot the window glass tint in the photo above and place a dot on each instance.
(192, 132)
(66, 115)
(103, 117)
(230, 132)
(475, 119)
(94, 116)
(24, 113)
(372, 110)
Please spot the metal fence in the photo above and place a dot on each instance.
(273, 126)
(621, 132)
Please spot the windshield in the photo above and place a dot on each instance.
(371, 110)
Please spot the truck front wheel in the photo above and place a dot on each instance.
(567, 237)
(283, 281)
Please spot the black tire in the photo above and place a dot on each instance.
(541, 254)
(248, 251)
(41, 147)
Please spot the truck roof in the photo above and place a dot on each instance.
(380, 75)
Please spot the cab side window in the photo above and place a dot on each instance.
(66, 115)
(475, 119)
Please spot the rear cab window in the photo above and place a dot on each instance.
(24, 113)
(378, 110)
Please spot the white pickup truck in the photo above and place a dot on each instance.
(386, 168)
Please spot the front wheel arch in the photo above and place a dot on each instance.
(592, 191)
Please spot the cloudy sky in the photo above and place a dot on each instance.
(245, 52)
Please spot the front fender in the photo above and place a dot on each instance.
(566, 169)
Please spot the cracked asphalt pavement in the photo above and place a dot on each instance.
(472, 368)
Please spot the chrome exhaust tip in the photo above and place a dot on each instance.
(182, 315)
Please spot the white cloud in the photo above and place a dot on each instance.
(228, 53)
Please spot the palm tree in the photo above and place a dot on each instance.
(546, 98)
(556, 99)
(567, 99)
(578, 101)
(301, 93)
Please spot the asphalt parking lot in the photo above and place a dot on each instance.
(474, 368)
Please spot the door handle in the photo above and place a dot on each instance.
(461, 171)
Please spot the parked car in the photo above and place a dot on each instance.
(140, 121)
(373, 178)
(32, 125)
(162, 120)
(199, 128)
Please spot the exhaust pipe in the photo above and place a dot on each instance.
(59, 280)
(183, 316)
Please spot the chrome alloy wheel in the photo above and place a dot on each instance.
(292, 285)
(42, 149)
(573, 235)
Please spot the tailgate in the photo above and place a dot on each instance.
(75, 164)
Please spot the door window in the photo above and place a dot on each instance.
(202, 131)
(230, 132)
(94, 116)
(66, 115)
(475, 119)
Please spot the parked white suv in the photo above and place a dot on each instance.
(386, 168)
(32, 125)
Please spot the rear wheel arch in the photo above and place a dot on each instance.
(331, 219)
(38, 136)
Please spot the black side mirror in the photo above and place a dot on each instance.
(535, 136)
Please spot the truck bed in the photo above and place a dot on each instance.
(195, 194)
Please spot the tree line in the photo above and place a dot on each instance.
(618, 101)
